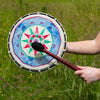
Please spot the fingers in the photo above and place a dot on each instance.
(82, 76)
(79, 72)
(81, 67)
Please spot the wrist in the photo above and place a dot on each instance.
(98, 73)
(67, 47)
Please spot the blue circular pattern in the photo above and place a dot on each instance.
(35, 62)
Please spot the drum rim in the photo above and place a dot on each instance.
(30, 69)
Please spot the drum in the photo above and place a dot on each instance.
(36, 27)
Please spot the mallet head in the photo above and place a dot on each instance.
(38, 46)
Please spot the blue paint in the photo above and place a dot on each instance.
(49, 28)
(22, 27)
(30, 58)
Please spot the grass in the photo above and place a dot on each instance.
(81, 21)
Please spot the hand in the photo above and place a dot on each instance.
(89, 74)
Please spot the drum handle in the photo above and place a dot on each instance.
(61, 60)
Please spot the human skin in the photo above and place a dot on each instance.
(89, 74)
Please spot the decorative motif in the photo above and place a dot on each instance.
(32, 34)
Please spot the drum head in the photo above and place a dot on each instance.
(36, 27)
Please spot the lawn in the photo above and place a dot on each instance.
(81, 21)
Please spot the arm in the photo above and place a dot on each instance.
(85, 47)
(89, 74)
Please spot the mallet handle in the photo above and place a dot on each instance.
(61, 60)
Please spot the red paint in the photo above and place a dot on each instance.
(30, 41)
(35, 52)
(27, 46)
(39, 36)
(33, 36)
(37, 30)
(45, 46)
(45, 36)
(27, 35)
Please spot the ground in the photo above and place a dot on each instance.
(81, 21)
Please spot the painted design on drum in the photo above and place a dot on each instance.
(32, 34)
(35, 29)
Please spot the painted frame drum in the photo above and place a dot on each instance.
(36, 27)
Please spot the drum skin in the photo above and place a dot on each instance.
(36, 27)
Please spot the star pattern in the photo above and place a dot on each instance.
(35, 37)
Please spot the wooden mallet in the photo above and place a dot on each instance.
(39, 47)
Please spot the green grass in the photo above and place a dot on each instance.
(81, 21)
